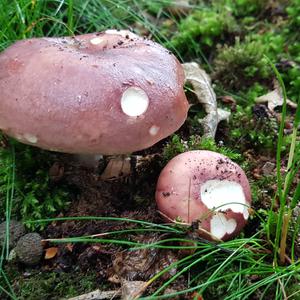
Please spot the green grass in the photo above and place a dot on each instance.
(249, 267)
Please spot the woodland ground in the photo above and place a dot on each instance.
(234, 41)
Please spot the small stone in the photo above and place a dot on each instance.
(29, 249)
(16, 230)
(268, 168)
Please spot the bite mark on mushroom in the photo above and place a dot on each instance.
(221, 195)
(220, 226)
(134, 102)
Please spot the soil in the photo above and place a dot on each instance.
(126, 196)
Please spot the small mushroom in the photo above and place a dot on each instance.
(111, 92)
(206, 187)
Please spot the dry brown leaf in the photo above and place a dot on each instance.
(132, 289)
(142, 264)
(51, 252)
(274, 99)
(98, 295)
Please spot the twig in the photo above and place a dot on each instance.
(282, 288)
(98, 295)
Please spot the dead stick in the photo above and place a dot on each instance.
(98, 295)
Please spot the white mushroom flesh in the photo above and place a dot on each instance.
(221, 195)
(220, 226)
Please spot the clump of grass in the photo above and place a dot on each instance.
(287, 201)
(236, 269)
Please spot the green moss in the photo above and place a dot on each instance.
(293, 11)
(35, 195)
(242, 8)
(238, 67)
(249, 130)
(203, 27)
(176, 145)
(53, 285)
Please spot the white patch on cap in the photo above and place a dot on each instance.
(221, 195)
(123, 33)
(219, 225)
(134, 102)
(154, 130)
(30, 138)
(96, 41)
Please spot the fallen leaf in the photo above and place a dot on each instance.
(51, 252)
(274, 99)
(98, 295)
(132, 289)
(142, 264)
(201, 84)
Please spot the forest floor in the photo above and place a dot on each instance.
(107, 233)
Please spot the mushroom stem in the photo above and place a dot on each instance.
(89, 160)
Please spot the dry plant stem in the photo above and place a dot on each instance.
(141, 290)
(98, 295)
(286, 219)
(282, 289)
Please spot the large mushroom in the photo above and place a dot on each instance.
(205, 187)
(111, 92)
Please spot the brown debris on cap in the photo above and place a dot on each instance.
(111, 92)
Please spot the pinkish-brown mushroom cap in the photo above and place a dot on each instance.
(110, 93)
(207, 187)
